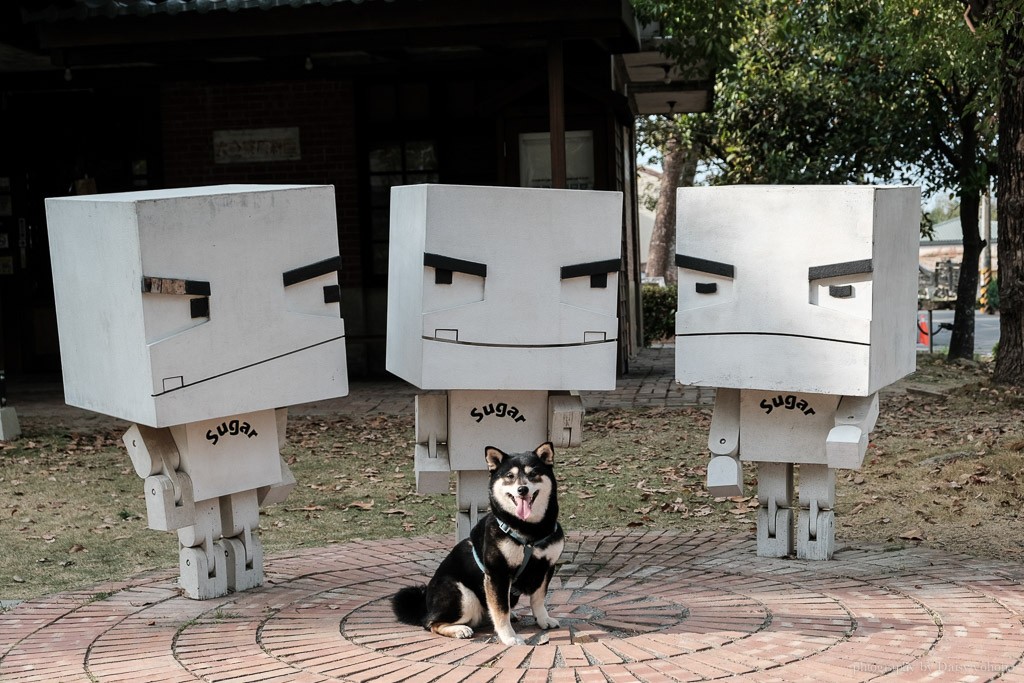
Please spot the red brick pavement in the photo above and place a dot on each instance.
(634, 606)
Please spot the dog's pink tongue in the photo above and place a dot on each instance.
(523, 508)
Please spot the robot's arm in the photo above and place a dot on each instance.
(277, 493)
(847, 442)
(725, 476)
(169, 500)
(565, 419)
(724, 437)
(432, 466)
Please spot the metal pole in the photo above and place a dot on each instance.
(556, 112)
(931, 332)
(986, 252)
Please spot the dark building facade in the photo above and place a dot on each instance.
(105, 96)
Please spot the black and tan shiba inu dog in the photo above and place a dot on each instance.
(510, 552)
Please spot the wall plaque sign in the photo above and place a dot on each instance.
(256, 144)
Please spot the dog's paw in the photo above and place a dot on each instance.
(547, 622)
(514, 640)
(455, 631)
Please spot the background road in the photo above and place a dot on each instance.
(986, 331)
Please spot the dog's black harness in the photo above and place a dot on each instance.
(518, 538)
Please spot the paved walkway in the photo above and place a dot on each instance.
(635, 605)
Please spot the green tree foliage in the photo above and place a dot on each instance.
(842, 91)
(659, 313)
(1001, 24)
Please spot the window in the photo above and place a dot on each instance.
(395, 163)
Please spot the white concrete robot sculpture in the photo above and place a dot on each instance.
(195, 314)
(504, 299)
(798, 304)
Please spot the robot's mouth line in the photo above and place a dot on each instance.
(517, 346)
(245, 367)
(771, 334)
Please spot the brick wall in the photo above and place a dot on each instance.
(322, 110)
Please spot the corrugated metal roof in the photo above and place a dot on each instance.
(949, 232)
(84, 9)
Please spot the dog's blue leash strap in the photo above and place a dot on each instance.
(527, 554)
(479, 562)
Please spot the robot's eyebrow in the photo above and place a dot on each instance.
(592, 268)
(839, 269)
(597, 270)
(455, 265)
(303, 273)
(174, 285)
(705, 266)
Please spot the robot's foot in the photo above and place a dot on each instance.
(198, 579)
(774, 537)
(243, 574)
(725, 477)
(822, 544)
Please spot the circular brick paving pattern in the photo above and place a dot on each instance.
(633, 605)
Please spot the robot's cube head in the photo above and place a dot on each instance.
(180, 305)
(503, 288)
(802, 288)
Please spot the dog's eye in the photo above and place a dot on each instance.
(534, 476)
(509, 476)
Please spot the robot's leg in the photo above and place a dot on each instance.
(240, 515)
(10, 429)
(774, 516)
(201, 558)
(816, 524)
(472, 496)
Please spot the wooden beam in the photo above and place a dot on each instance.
(556, 111)
(434, 23)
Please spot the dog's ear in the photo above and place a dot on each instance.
(494, 457)
(546, 452)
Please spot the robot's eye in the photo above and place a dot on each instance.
(596, 270)
(843, 287)
(198, 292)
(706, 267)
(454, 282)
(444, 266)
(332, 293)
(703, 282)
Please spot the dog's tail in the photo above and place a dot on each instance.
(410, 605)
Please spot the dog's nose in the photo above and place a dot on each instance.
(523, 490)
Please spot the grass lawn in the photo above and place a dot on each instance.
(945, 469)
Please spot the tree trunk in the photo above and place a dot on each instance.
(961, 341)
(1010, 359)
(679, 167)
